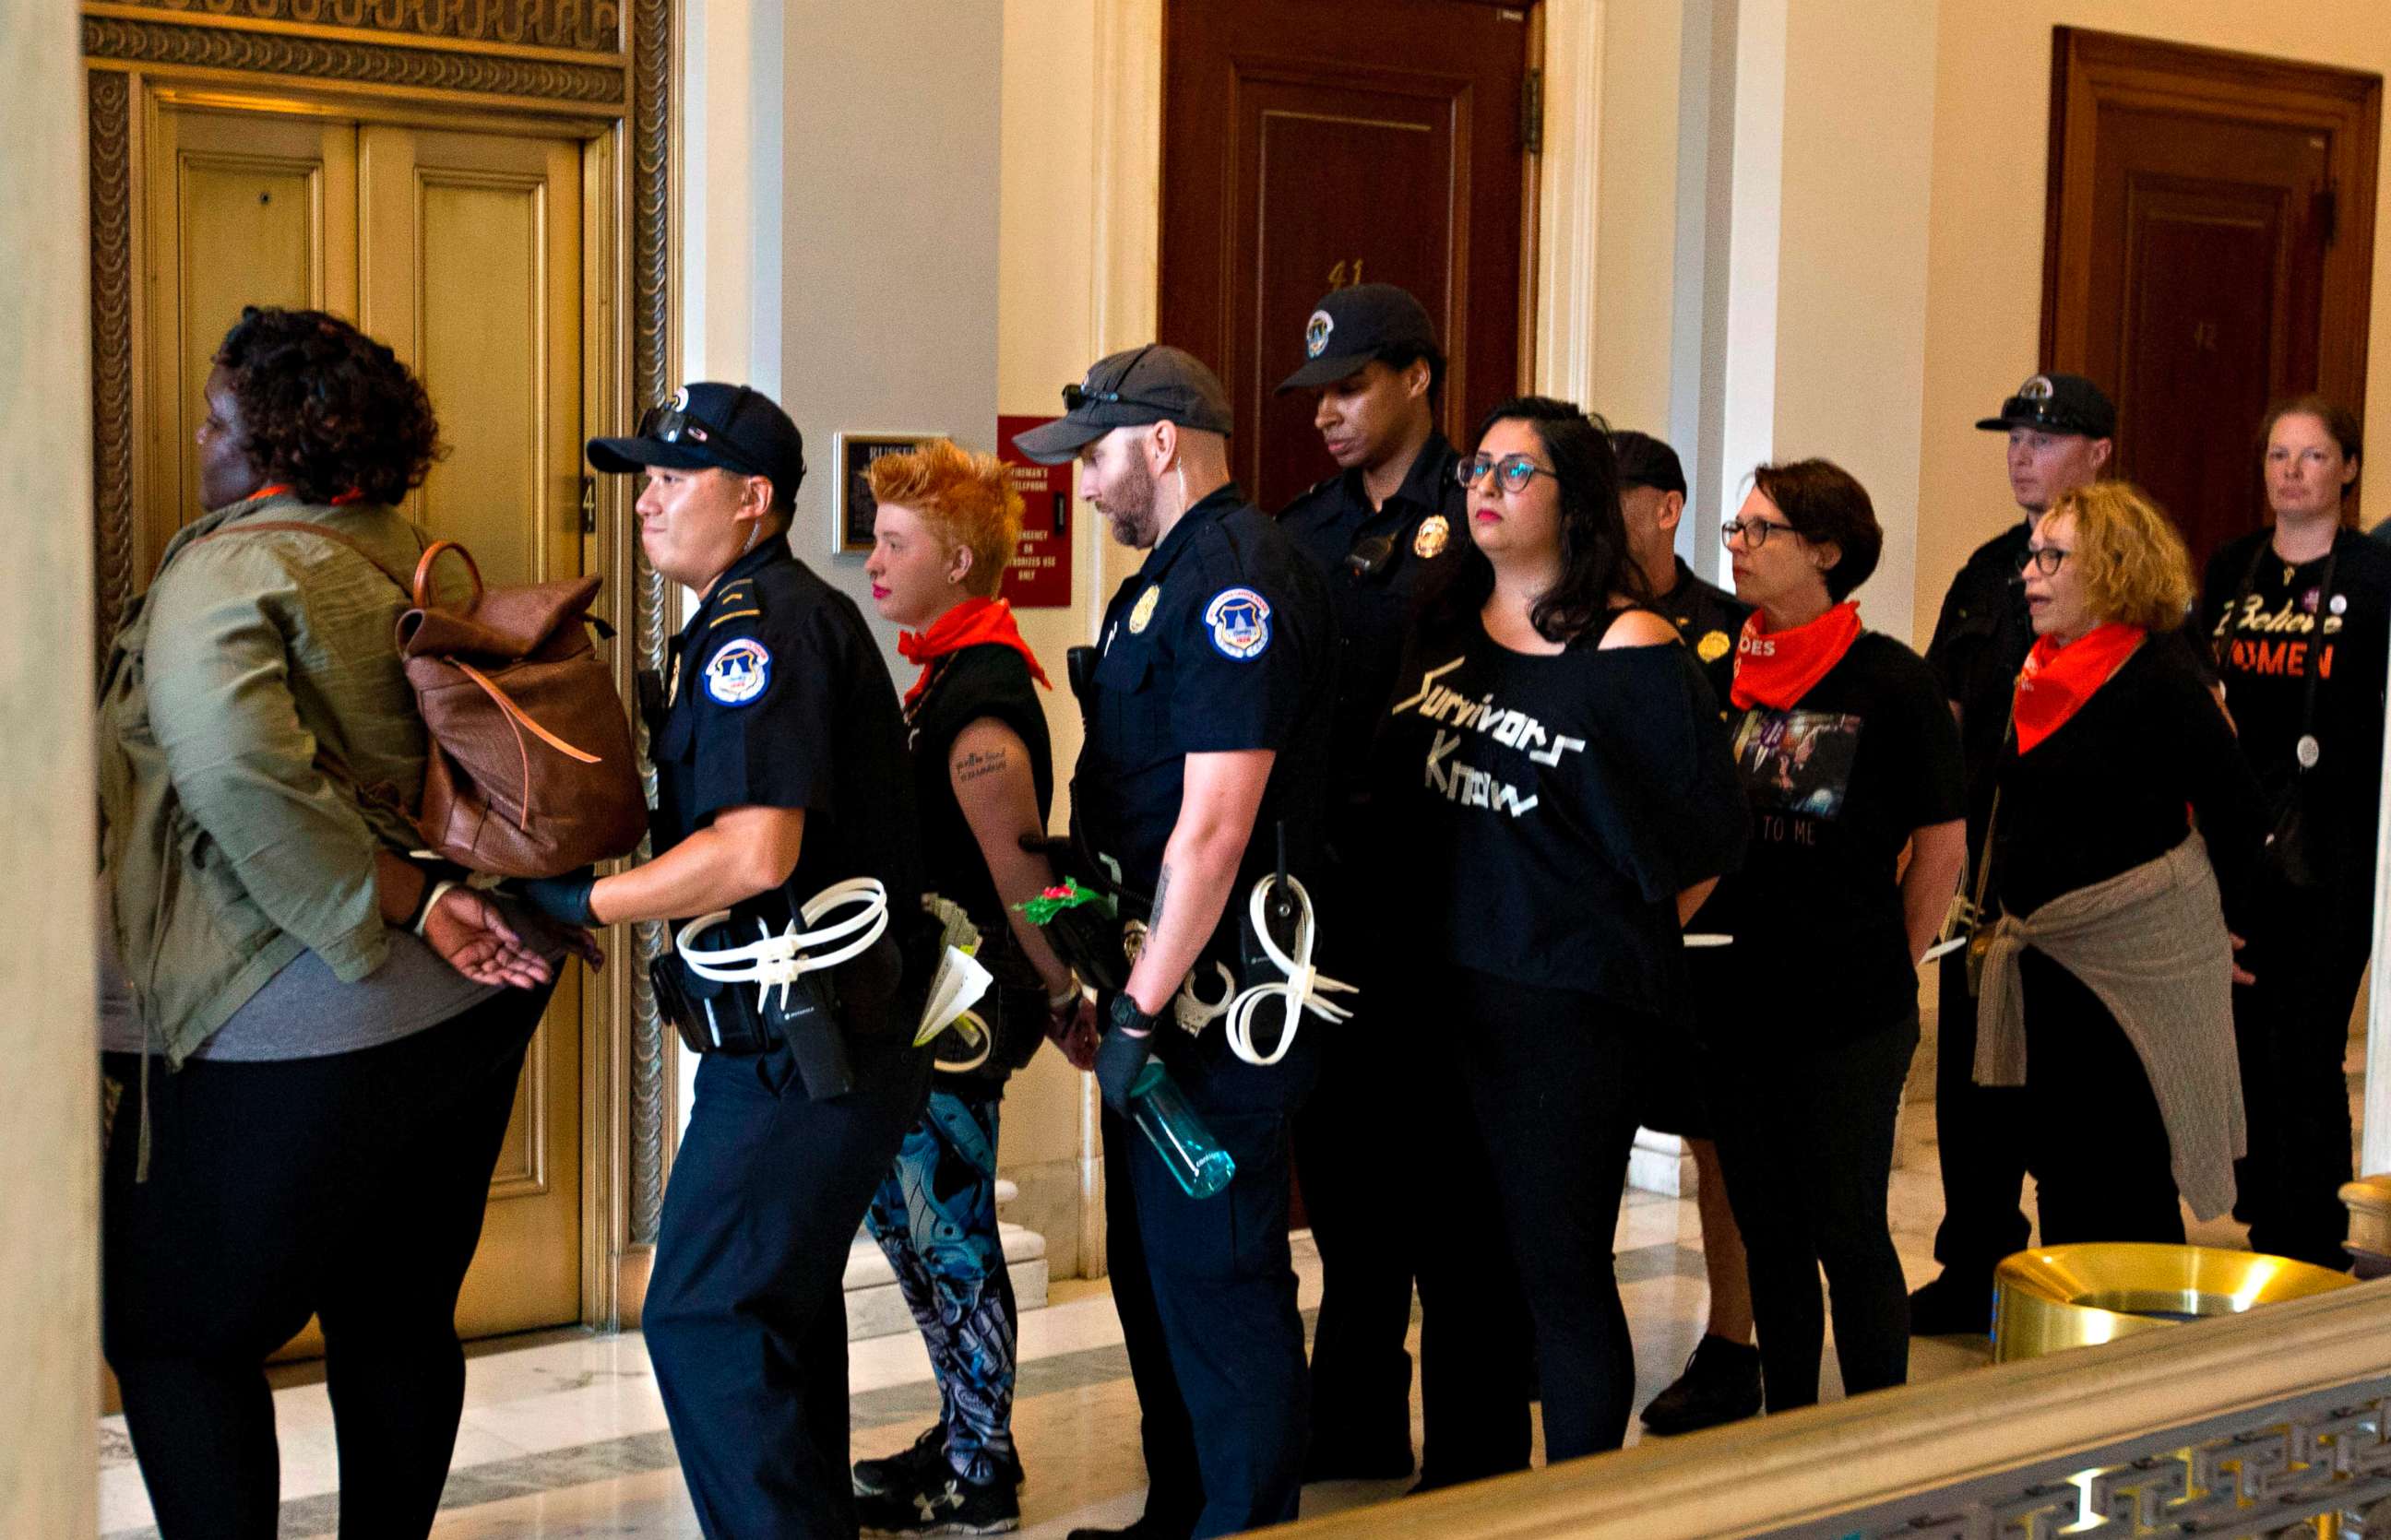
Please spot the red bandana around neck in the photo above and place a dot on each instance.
(1777, 668)
(970, 623)
(2058, 679)
(278, 488)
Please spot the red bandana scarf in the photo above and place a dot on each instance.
(1777, 668)
(2058, 679)
(970, 623)
(278, 488)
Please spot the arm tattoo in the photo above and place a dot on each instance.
(1161, 890)
(980, 764)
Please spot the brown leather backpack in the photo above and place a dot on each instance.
(532, 772)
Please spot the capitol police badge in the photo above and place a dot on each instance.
(737, 674)
(1315, 333)
(1435, 531)
(1142, 614)
(1240, 623)
(1712, 647)
(2036, 389)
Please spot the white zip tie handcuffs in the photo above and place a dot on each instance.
(1304, 986)
(783, 960)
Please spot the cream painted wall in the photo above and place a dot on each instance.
(1991, 116)
(50, 1190)
(1637, 239)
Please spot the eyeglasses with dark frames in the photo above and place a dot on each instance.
(1512, 472)
(2044, 559)
(1755, 532)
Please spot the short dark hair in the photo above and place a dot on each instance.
(1824, 502)
(2339, 421)
(1595, 560)
(1400, 356)
(327, 409)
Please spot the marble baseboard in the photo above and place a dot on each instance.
(1658, 1164)
(1047, 1200)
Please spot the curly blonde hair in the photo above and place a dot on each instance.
(967, 500)
(2126, 553)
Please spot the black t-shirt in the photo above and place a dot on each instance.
(1834, 789)
(1543, 811)
(2107, 790)
(2263, 643)
(778, 698)
(1981, 640)
(1413, 543)
(1709, 619)
(992, 682)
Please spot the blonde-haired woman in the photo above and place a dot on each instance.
(2107, 989)
(984, 778)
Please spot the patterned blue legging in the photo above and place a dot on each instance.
(934, 1217)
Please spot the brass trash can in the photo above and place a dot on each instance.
(2063, 1297)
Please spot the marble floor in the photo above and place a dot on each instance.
(566, 1437)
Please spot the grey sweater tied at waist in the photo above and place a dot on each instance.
(2151, 944)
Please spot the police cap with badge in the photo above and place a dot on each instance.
(1356, 325)
(2057, 404)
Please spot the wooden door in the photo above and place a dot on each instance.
(1312, 143)
(462, 251)
(2210, 250)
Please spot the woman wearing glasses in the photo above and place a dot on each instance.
(2106, 988)
(1558, 790)
(1850, 765)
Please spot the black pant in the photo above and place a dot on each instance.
(2293, 1029)
(745, 1318)
(1206, 1292)
(1980, 1143)
(1529, 1095)
(2098, 1149)
(1365, 1225)
(350, 1188)
(1805, 1139)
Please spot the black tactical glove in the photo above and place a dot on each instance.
(1121, 1057)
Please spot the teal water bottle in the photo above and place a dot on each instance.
(1196, 1160)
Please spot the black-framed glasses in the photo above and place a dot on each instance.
(1512, 472)
(1755, 532)
(2044, 559)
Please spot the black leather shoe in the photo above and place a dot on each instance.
(1952, 1306)
(1721, 1384)
(1344, 1463)
(1141, 1530)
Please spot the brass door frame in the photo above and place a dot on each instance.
(506, 65)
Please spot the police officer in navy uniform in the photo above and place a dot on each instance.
(1721, 1382)
(1386, 527)
(2062, 430)
(781, 778)
(1206, 710)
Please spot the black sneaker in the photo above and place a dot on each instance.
(1140, 1529)
(918, 1465)
(1952, 1306)
(1721, 1384)
(946, 1505)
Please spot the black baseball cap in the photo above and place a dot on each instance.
(1351, 326)
(1645, 461)
(708, 425)
(2058, 404)
(1155, 383)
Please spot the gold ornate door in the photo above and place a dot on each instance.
(462, 251)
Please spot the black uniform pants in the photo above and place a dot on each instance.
(350, 1188)
(1530, 1097)
(1206, 1292)
(2102, 1161)
(746, 1320)
(1365, 1224)
(1979, 1134)
(2308, 952)
(1805, 1138)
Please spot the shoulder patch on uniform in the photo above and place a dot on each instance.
(1239, 619)
(737, 674)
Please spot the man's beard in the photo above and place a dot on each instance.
(1129, 507)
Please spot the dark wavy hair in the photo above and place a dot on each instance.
(1594, 561)
(1824, 502)
(326, 408)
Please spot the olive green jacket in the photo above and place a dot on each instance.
(248, 695)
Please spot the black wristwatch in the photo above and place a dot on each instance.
(1125, 1015)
